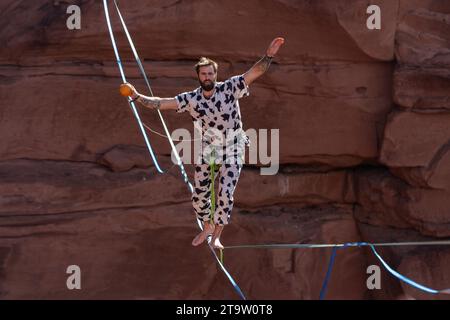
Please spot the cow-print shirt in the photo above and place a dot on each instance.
(221, 111)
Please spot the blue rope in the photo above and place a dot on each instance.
(386, 266)
(230, 278)
(144, 75)
(327, 276)
(122, 73)
(179, 162)
(331, 245)
(402, 277)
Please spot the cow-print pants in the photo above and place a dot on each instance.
(201, 197)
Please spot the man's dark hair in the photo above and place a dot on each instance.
(203, 62)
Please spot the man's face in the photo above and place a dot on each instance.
(207, 77)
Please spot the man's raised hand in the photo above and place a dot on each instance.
(275, 46)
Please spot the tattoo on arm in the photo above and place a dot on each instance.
(263, 64)
(150, 102)
(258, 69)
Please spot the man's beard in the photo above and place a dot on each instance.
(208, 86)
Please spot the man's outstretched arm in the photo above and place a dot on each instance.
(263, 65)
(156, 102)
(152, 102)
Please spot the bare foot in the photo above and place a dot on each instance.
(208, 229)
(215, 241)
(217, 244)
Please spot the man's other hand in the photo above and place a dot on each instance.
(275, 46)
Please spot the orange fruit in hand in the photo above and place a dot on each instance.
(125, 90)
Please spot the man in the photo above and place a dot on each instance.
(214, 107)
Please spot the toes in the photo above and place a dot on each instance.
(217, 244)
(201, 237)
(196, 241)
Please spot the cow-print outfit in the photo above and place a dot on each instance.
(220, 113)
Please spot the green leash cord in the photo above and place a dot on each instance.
(212, 165)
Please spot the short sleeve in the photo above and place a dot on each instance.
(237, 86)
(183, 101)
